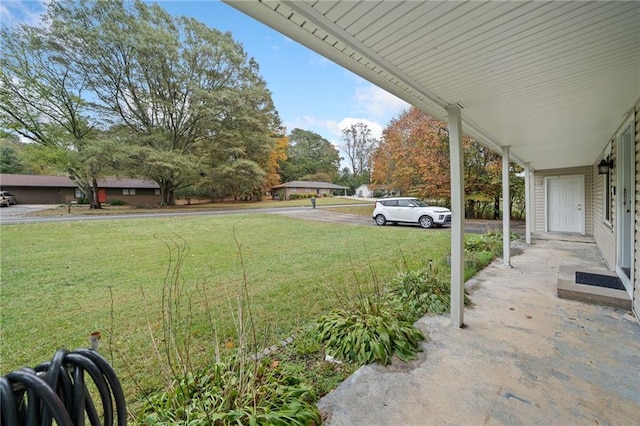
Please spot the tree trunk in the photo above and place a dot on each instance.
(95, 201)
(167, 197)
(496, 207)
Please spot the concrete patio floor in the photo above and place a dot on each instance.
(524, 357)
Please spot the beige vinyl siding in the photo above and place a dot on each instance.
(636, 284)
(539, 199)
(603, 231)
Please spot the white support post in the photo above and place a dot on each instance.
(527, 202)
(454, 120)
(506, 211)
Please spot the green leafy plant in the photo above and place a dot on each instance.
(369, 330)
(235, 392)
(305, 358)
(239, 388)
(418, 292)
(117, 203)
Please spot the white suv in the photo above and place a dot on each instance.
(410, 210)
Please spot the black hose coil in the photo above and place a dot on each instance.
(57, 390)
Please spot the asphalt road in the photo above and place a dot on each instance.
(17, 214)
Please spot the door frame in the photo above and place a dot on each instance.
(628, 282)
(546, 200)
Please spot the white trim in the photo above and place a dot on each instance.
(506, 212)
(546, 201)
(527, 203)
(620, 232)
(454, 122)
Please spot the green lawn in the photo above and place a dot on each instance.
(227, 205)
(62, 281)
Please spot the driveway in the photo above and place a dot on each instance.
(19, 210)
(323, 215)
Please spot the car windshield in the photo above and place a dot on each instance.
(419, 203)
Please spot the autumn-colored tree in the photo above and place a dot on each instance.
(413, 156)
(277, 156)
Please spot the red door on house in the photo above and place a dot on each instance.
(102, 195)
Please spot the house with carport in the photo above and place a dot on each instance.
(551, 86)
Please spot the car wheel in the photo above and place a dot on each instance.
(426, 222)
(380, 220)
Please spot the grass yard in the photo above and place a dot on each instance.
(107, 209)
(62, 281)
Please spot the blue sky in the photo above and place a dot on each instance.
(309, 91)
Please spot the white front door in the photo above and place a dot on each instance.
(565, 204)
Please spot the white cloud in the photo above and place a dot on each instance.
(331, 129)
(375, 102)
(23, 12)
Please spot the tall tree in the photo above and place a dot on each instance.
(42, 98)
(309, 153)
(358, 145)
(413, 156)
(188, 93)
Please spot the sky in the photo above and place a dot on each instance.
(309, 91)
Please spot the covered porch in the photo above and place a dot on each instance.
(525, 357)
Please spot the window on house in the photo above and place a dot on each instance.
(78, 193)
(126, 191)
(157, 192)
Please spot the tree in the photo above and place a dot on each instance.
(413, 156)
(358, 145)
(41, 99)
(309, 153)
(277, 156)
(188, 94)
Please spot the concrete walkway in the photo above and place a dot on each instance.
(524, 357)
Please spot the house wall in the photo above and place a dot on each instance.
(603, 228)
(321, 191)
(40, 195)
(539, 199)
(636, 291)
(31, 195)
(143, 197)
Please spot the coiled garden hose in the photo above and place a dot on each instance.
(57, 390)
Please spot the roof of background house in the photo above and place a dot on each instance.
(65, 182)
(310, 184)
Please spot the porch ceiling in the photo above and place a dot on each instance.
(553, 80)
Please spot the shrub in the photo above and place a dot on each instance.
(83, 200)
(235, 392)
(368, 331)
(416, 293)
(305, 358)
(490, 241)
(117, 203)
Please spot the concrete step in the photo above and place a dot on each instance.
(568, 289)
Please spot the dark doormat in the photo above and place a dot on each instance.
(599, 280)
